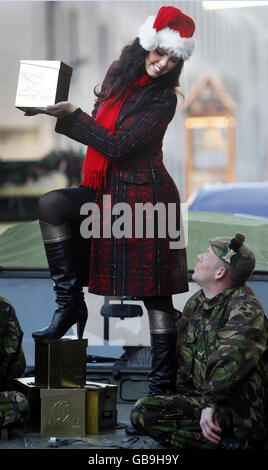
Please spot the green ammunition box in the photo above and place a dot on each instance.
(63, 412)
(60, 363)
(27, 386)
(101, 412)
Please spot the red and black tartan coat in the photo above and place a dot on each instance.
(138, 267)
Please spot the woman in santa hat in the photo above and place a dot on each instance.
(124, 161)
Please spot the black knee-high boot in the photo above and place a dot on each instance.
(61, 252)
(162, 377)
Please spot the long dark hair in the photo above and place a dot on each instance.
(131, 66)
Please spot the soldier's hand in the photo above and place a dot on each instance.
(209, 425)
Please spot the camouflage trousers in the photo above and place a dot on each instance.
(13, 409)
(174, 421)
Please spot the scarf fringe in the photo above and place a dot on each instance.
(94, 178)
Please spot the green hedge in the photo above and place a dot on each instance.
(18, 172)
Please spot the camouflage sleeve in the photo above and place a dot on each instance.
(11, 354)
(242, 341)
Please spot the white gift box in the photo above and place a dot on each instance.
(42, 83)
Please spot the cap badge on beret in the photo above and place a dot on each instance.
(229, 256)
(231, 253)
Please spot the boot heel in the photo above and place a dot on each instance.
(80, 328)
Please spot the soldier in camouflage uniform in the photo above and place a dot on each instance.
(13, 405)
(222, 373)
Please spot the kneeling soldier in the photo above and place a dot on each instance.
(222, 360)
(13, 404)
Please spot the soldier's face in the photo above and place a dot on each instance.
(207, 267)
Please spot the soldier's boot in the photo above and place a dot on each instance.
(62, 256)
(163, 332)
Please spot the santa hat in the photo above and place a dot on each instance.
(171, 30)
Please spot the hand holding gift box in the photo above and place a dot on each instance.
(58, 110)
(43, 83)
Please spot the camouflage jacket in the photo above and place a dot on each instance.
(12, 360)
(222, 355)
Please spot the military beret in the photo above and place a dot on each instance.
(234, 252)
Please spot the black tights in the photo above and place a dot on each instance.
(63, 205)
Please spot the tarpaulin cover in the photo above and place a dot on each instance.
(21, 245)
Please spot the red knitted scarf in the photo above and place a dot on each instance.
(95, 163)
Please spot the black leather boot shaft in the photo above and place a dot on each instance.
(65, 272)
(162, 377)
